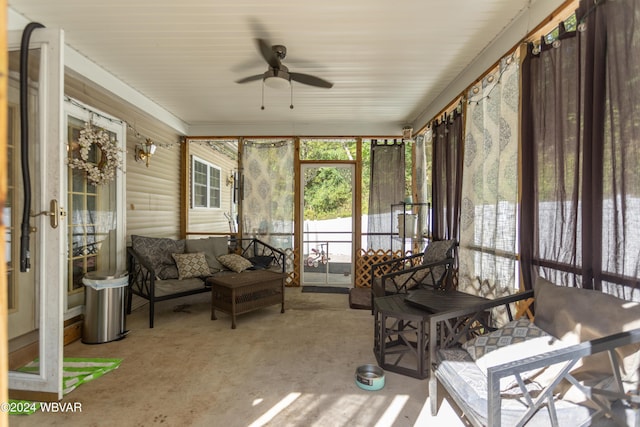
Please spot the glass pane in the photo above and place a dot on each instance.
(77, 180)
(328, 149)
(199, 173)
(328, 225)
(199, 196)
(92, 218)
(215, 178)
(214, 188)
(78, 270)
(22, 288)
(91, 207)
(214, 197)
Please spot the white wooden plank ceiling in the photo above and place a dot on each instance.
(387, 59)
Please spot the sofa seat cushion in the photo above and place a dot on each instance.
(458, 371)
(174, 286)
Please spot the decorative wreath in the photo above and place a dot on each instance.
(110, 160)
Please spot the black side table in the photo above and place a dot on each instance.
(401, 339)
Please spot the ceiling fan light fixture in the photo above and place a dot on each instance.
(276, 82)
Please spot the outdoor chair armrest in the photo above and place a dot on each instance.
(257, 247)
(141, 273)
(409, 278)
(393, 265)
(569, 357)
(506, 301)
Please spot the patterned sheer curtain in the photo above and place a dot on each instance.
(421, 185)
(447, 176)
(386, 188)
(487, 253)
(268, 191)
(581, 201)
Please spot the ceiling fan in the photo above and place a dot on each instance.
(274, 55)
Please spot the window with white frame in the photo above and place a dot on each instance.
(205, 184)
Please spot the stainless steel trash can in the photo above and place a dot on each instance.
(104, 317)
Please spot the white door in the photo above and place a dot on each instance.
(36, 296)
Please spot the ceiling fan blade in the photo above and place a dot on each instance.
(310, 80)
(248, 65)
(268, 54)
(251, 78)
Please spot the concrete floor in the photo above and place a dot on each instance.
(291, 369)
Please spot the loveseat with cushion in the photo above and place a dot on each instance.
(575, 364)
(162, 268)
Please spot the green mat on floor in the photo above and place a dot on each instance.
(75, 372)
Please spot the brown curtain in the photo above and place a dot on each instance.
(447, 176)
(551, 156)
(581, 150)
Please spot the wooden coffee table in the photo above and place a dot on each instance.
(237, 293)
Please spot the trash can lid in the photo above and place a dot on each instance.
(105, 275)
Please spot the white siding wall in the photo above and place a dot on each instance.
(153, 194)
(211, 220)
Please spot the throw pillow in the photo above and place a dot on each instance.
(157, 252)
(191, 265)
(513, 332)
(235, 262)
(434, 252)
(261, 262)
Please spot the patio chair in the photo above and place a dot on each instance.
(427, 269)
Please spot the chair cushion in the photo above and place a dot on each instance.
(360, 298)
(513, 332)
(434, 252)
(437, 251)
(457, 371)
(568, 313)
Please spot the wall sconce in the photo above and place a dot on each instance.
(145, 151)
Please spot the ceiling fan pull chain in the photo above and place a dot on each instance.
(262, 106)
(291, 85)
